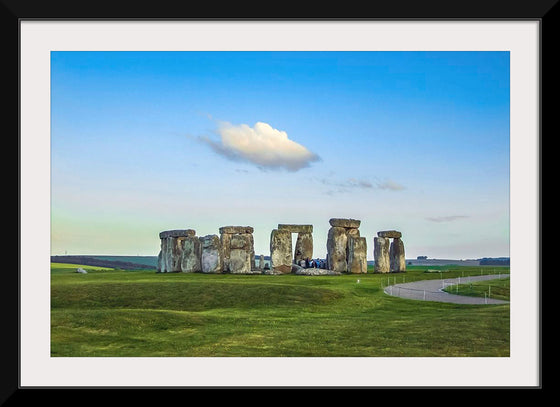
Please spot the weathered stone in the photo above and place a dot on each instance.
(252, 251)
(211, 260)
(240, 241)
(281, 251)
(240, 261)
(304, 246)
(357, 255)
(345, 223)
(352, 232)
(396, 254)
(162, 257)
(225, 241)
(242, 254)
(296, 228)
(389, 234)
(171, 248)
(381, 254)
(236, 237)
(171, 254)
(337, 241)
(261, 262)
(159, 262)
(272, 272)
(166, 244)
(177, 233)
(301, 271)
(237, 249)
(236, 229)
(191, 255)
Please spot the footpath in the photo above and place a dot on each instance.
(432, 290)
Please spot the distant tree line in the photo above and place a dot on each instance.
(494, 261)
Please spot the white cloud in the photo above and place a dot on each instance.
(352, 184)
(390, 185)
(346, 185)
(262, 145)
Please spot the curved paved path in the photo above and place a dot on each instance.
(432, 290)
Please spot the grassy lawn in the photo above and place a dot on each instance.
(498, 289)
(143, 313)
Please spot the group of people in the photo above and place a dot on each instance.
(313, 263)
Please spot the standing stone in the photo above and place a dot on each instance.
(211, 260)
(350, 233)
(164, 255)
(169, 260)
(396, 254)
(337, 241)
(251, 249)
(241, 251)
(191, 255)
(381, 254)
(225, 242)
(166, 244)
(240, 261)
(159, 262)
(341, 247)
(237, 249)
(304, 246)
(357, 254)
(281, 251)
(173, 247)
(239, 241)
(261, 263)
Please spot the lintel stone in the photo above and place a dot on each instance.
(390, 234)
(236, 229)
(345, 223)
(296, 228)
(177, 233)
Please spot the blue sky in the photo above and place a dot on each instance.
(148, 141)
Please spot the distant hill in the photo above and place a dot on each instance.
(485, 261)
(140, 260)
(494, 261)
(121, 262)
(441, 262)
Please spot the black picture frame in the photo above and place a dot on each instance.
(15, 11)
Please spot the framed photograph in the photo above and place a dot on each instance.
(136, 134)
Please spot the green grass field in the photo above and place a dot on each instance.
(142, 313)
(498, 289)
